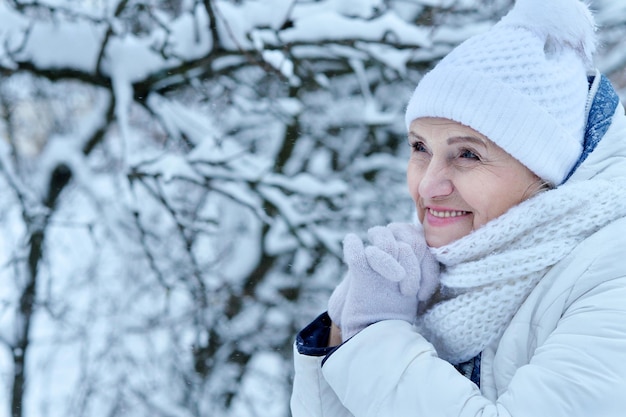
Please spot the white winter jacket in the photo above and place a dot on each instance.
(563, 354)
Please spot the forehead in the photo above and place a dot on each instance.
(449, 130)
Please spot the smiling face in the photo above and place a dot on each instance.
(460, 180)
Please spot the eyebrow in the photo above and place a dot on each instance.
(472, 139)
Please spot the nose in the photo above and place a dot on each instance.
(436, 181)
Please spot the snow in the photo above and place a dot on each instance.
(396, 59)
(290, 106)
(279, 61)
(189, 35)
(241, 194)
(67, 45)
(234, 21)
(12, 25)
(211, 212)
(263, 388)
(132, 59)
(364, 9)
(181, 120)
(454, 36)
(279, 239)
(306, 184)
(170, 167)
(330, 26)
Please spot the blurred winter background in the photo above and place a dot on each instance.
(177, 176)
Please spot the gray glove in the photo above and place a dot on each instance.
(385, 281)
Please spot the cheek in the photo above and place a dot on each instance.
(496, 201)
(413, 181)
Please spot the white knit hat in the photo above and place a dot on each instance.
(522, 84)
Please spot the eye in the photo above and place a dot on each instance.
(469, 154)
(417, 146)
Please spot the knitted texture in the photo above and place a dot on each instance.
(522, 84)
(386, 280)
(489, 273)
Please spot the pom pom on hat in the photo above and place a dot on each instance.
(563, 23)
(523, 84)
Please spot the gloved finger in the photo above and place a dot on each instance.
(384, 264)
(407, 259)
(409, 287)
(430, 269)
(338, 299)
(383, 238)
(354, 254)
(410, 234)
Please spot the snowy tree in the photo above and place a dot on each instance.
(177, 177)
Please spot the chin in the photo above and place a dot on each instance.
(436, 240)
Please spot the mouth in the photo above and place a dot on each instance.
(446, 213)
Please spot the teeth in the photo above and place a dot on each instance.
(446, 213)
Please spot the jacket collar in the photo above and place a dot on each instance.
(601, 105)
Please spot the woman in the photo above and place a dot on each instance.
(518, 173)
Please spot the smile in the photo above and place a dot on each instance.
(443, 214)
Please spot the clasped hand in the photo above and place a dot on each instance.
(385, 280)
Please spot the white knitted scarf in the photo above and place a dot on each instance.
(488, 274)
